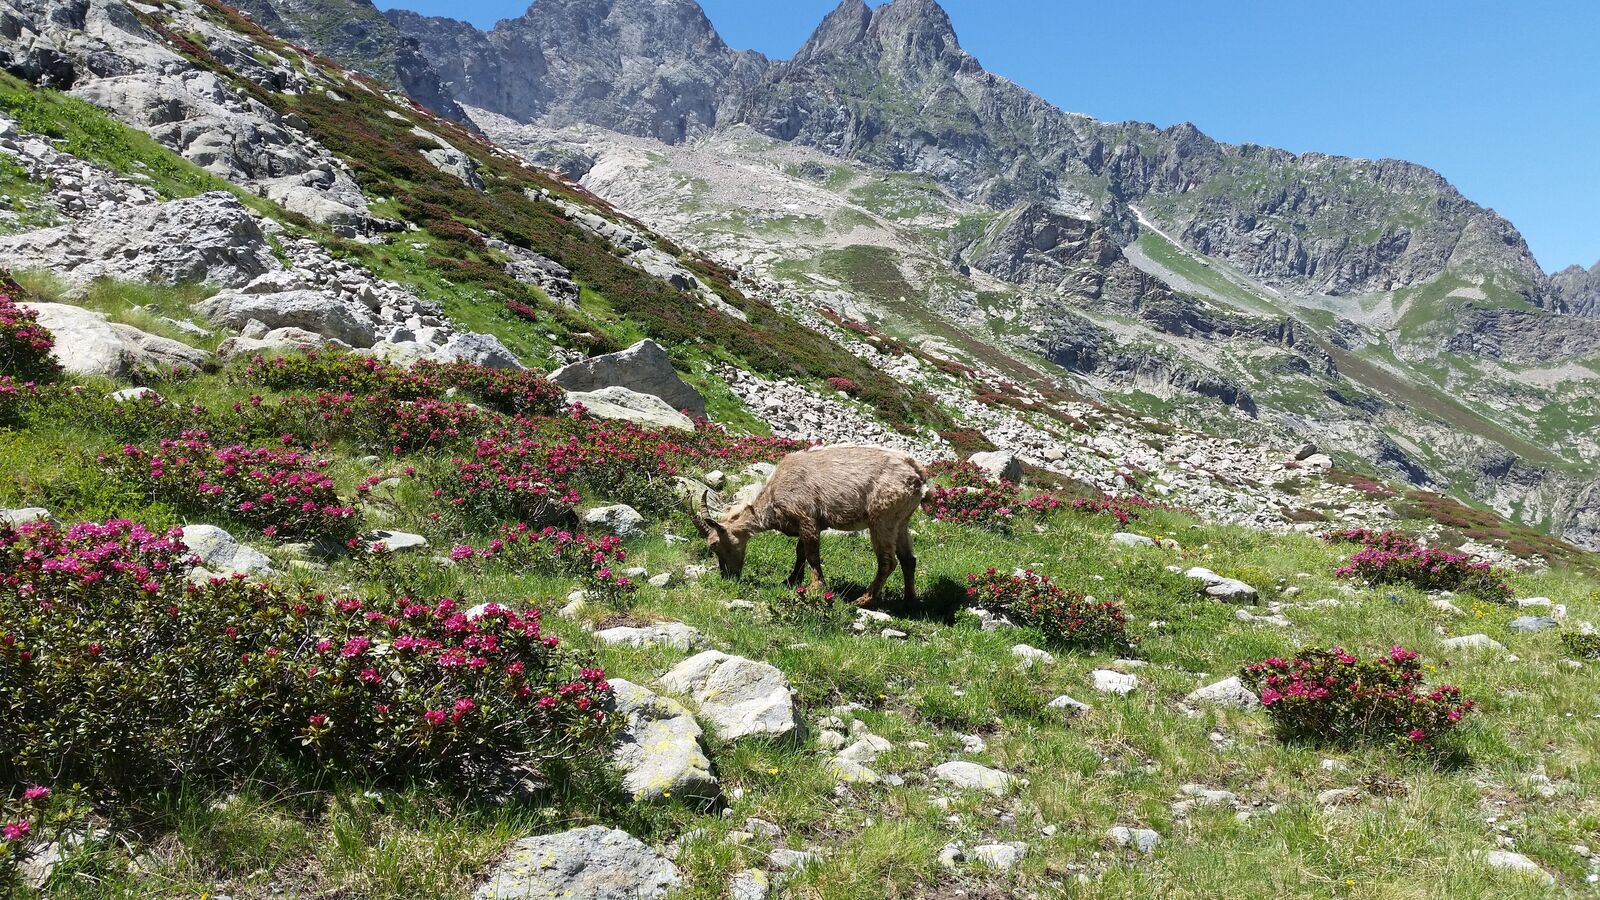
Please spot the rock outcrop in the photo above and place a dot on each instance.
(643, 368)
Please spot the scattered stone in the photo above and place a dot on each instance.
(998, 465)
(1474, 642)
(1030, 656)
(394, 541)
(1071, 707)
(1129, 539)
(789, 860)
(1445, 606)
(621, 520)
(1515, 862)
(1533, 623)
(695, 572)
(738, 696)
(222, 554)
(831, 740)
(1000, 857)
(659, 747)
(676, 635)
(1229, 589)
(1229, 692)
(1108, 682)
(1142, 839)
(751, 884)
(1338, 796)
(660, 581)
(973, 777)
(594, 863)
(27, 515)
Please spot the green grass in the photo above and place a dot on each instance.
(1410, 832)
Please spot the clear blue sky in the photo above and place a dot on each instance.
(1502, 97)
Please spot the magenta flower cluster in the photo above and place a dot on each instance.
(1335, 696)
(1390, 557)
(25, 345)
(1067, 619)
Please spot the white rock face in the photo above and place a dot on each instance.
(645, 410)
(211, 238)
(621, 520)
(659, 748)
(739, 697)
(222, 554)
(676, 635)
(593, 863)
(88, 344)
(973, 777)
(643, 368)
(1229, 692)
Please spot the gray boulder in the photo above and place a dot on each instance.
(88, 344)
(739, 697)
(998, 465)
(27, 515)
(621, 520)
(659, 747)
(478, 349)
(973, 777)
(1533, 623)
(276, 340)
(644, 410)
(1229, 589)
(594, 863)
(221, 553)
(1229, 692)
(211, 238)
(311, 311)
(676, 635)
(643, 368)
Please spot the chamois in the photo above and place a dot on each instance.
(844, 487)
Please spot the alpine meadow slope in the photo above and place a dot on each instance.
(365, 380)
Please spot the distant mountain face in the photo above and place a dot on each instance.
(1579, 289)
(353, 33)
(655, 68)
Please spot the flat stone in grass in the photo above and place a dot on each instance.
(395, 541)
(751, 884)
(1508, 861)
(1142, 839)
(1128, 539)
(27, 515)
(788, 860)
(659, 748)
(1230, 589)
(739, 697)
(1108, 682)
(1069, 706)
(973, 777)
(594, 863)
(1229, 692)
(1474, 642)
(676, 635)
(1031, 656)
(1533, 623)
(1000, 857)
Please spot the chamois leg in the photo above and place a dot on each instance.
(798, 573)
(908, 563)
(883, 545)
(811, 546)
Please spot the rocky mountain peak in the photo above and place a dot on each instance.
(1578, 289)
(841, 29)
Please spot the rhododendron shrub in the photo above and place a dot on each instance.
(597, 560)
(520, 392)
(282, 492)
(1428, 568)
(1388, 539)
(1123, 509)
(501, 482)
(968, 497)
(14, 399)
(1066, 619)
(25, 345)
(117, 671)
(1336, 697)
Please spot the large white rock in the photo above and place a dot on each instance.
(1230, 589)
(313, 311)
(998, 465)
(1229, 692)
(27, 515)
(594, 863)
(739, 697)
(1474, 642)
(676, 635)
(1107, 681)
(478, 349)
(658, 748)
(621, 520)
(643, 368)
(88, 344)
(222, 554)
(972, 777)
(645, 410)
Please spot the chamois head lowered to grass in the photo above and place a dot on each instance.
(845, 487)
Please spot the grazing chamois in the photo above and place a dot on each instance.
(844, 487)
